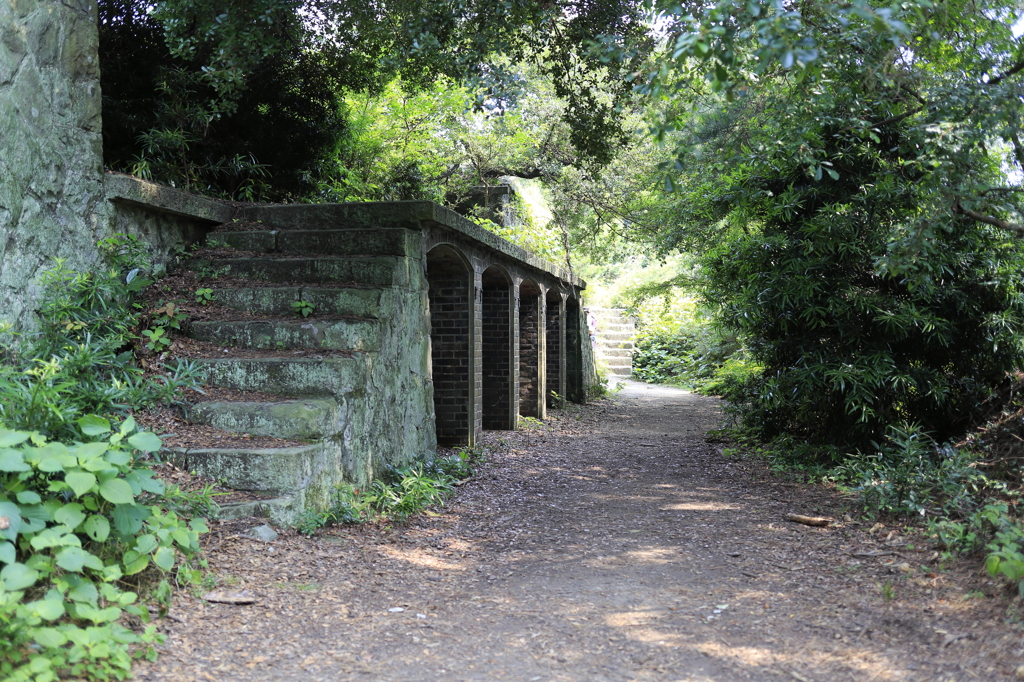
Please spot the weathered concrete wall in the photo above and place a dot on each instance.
(51, 156)
(166, 219)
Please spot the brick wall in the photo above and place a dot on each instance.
(449, 297)
(554, 350)
(530, 356)
(496, 353)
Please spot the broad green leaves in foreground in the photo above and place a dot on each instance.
(74, 520)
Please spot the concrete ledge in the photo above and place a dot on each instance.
(411, 214)
(130, 190)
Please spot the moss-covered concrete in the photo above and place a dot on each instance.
(51, 165)
(416, 215)
(373, 270)
(309, 419)
(354, 301)
(381, 242)
(310, 332)
(289, 377)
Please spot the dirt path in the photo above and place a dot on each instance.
(615, 544)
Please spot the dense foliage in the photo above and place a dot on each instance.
(244, 99)
(87, 533)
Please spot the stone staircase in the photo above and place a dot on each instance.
(348, 382)
(614, 337)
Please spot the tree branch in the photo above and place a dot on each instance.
(1016, 68)
(988, 220)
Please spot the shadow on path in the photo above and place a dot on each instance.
(614, 544)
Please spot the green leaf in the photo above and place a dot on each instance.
(93, 425)
(81, 482)
(34, 518)
(18, 577)
(183, 538)
(97, 528)
(118, 458)
(89, 451)
(127, 426)
(145, 441)
(8, 553)
(29, 497)
(47, 609)
(117, 491)
(70, 515)
(151, 484)
(84, 591)
(11, 512)
(12, 438)
(56, 536)
(12, 460)
(49, 638)
(71, 559)
(128, 518)
(137, 565)
(164, 558)
(146, 543)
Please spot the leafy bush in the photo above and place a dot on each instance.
(81, 361)
(908, 474)
(76, 520)
(398, 495)
(680, 352)
(83, 522)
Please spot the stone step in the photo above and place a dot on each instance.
(614, 353)
(375, 242)
(373, 270)
(614, 336)
(615, 327)
(273, 471)
(287, 376)
(615, 345)
(353, 301)
(294, 419)
(353, 334)
(279, 510)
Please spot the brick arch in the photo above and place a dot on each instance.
(554, 350)
(450, 302)
(532, 342)
(498, 352)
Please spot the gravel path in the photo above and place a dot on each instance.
(616, 543)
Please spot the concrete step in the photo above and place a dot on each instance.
(614, 353)
(614, 336)
(269, 471)
(615, 327)
(294, 419)
(287, 376)
(373, 270)
(357, 302)
(615, 345)
(279, 509)
(373, 242)
(354, 334)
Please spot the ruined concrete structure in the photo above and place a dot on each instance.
(427, 328)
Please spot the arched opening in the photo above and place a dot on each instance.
(576, 335)
(531, 351)
(496, 350)
(450, 287)
(554, 358)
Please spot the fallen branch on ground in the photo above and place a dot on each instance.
(808, 520)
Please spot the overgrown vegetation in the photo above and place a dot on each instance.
(398, 494)
(88, 536)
